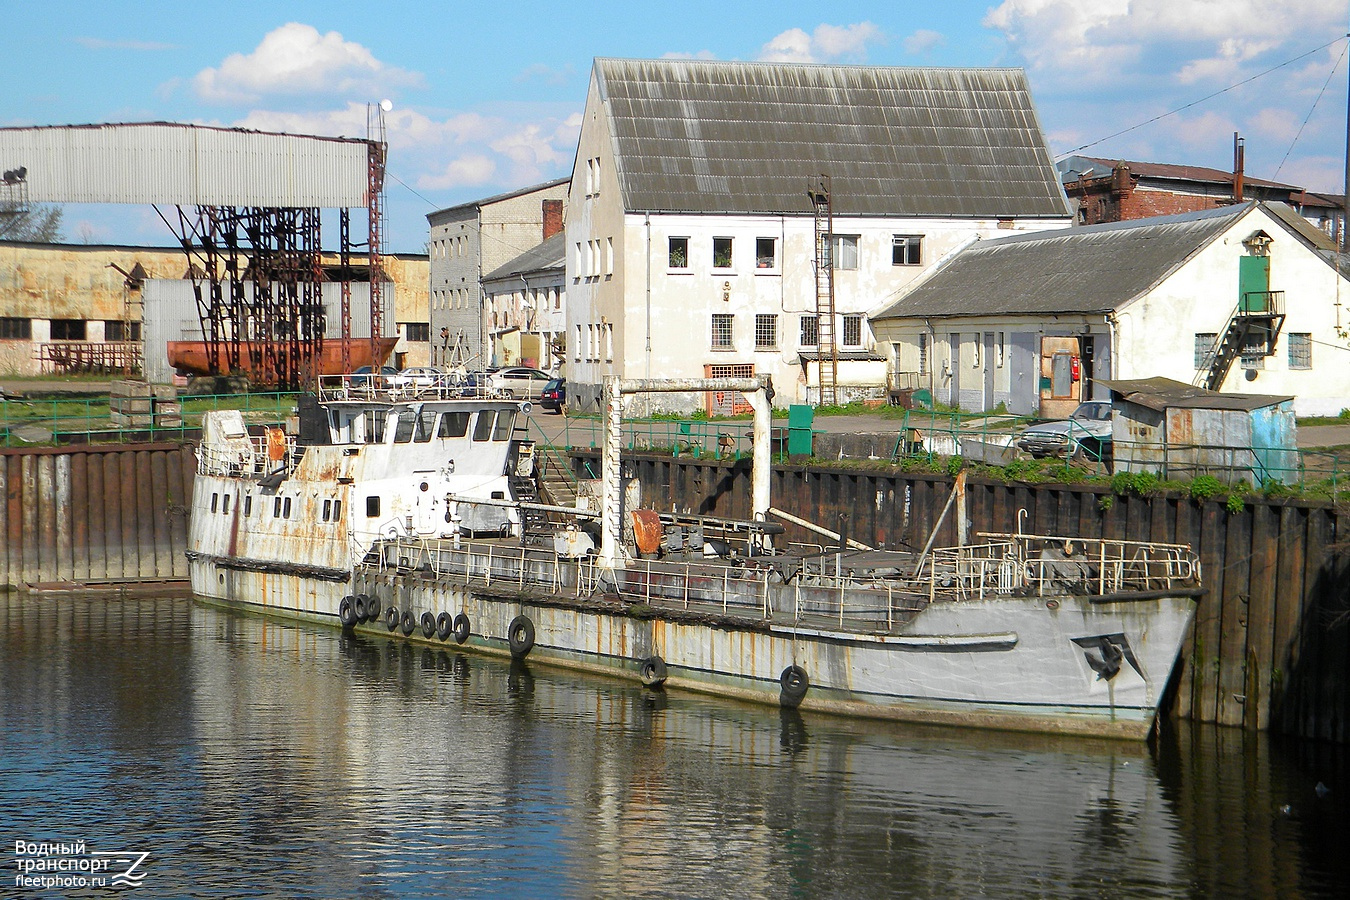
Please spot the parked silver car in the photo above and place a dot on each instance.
(1088, 429)
(518, 382)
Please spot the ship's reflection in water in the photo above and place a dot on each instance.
(251, 757)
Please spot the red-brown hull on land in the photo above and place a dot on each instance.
(194, 357)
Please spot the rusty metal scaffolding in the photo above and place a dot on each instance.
(257, 277)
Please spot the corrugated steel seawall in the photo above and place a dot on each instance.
(96, 513)
(1270, 646)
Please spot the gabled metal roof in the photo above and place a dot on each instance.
(497, 198)
(1070, 270)
(551, 254)
(730, 137)
(1096, 167)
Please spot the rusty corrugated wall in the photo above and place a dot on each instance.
(94, 513)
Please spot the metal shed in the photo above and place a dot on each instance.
(1178, 430)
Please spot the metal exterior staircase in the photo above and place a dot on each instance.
(534, 526)
(557, 484)
(828, 359)
(1254, 326)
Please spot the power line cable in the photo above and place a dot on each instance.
(1206, 98)
(1317, 100)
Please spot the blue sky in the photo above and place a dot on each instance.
(487, 96)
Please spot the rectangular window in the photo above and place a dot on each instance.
(810, 331)
(276, 507)
(327, 510)
(426, 424)
(766, 332)
(609, 342)
(117, 330)
(679, 253)
(337, 510)
(844, 251)
(1300, 350)
(580, 268)
(853, 331)
(721, 331)
(482, 428)
(419, 332)
(248, 505)
(1204, 345)
(576, 348)
(609, 256)
(215, 501)
(16, 329)
(923, 353)
(372, 507)
(765, 257)
(506, 420)
(225, 504)
(907, 250)
(999, 350)
(721, 253)
(403, 426)
(453, 425)
(68, 329)
(1254, 353)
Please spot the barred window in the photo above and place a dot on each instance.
(766, 332)
(419, 332)
(16, 329)
(1300, 350)
(810, 333)
(1253, 353)
(907, 250)
(721, 331)
(1204, 346)
(923, 353)
(853, 331)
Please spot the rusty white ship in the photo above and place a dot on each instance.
(417, 515)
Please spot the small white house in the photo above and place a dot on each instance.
(694, 232)
(1244, 298)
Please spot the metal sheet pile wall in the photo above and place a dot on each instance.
(94, 514)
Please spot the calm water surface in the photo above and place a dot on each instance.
(256, 758)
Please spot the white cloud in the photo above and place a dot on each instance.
(297, 59)
(922, 41)
(828, 43)
(466, 171)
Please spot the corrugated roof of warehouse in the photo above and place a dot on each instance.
(746, 138)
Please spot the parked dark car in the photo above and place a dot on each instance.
(554, 395)
(363, 375)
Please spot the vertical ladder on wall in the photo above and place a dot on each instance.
(827, 358)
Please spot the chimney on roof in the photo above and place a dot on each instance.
(1120, 180)
(1239, 163)
(553, 218)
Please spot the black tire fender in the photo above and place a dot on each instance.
(520, 636)
(391, 618)
(428, 624)
(371, 604)
(652, 671)
(444, 626)
(359, 607)
(461, 628)
(409, 622)
(794, 683)
(347, 612)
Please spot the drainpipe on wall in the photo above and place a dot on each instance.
(1115, 348)
(647, 223)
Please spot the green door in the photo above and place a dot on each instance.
(1253, 283)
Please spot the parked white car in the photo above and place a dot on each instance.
(419, 378)
(518, 382)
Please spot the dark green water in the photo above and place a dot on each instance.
(257, 758)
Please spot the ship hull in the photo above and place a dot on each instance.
(195, 357)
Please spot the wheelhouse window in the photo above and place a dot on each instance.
(482, 428)
(453, 425)
(506, 420)
(372, 507)
(679, 253)
(426, 426)
(721, 253)
(722, 331)
(403, 426)
(907, 250)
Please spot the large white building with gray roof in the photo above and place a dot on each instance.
(691, 235)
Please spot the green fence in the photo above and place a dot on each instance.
(25, 423)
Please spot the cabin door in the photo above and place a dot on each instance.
(429, 506)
